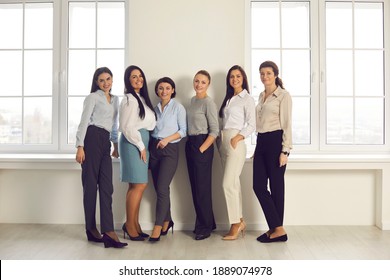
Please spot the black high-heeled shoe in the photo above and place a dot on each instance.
(136, 238)
(170, 225)
(154, 239)
(143, 234)
(109, 242)
(92, 238)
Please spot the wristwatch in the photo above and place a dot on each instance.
(285, 153)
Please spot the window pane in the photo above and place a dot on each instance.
(38, 26)
(81, 69)
(75, 108)
(37, 120)
(38, 72)
(338, 25)
(114, 13)
(339, 115)
(369, 121)
(82, 25)
(339, 73)
(368, 25)
(295, 72)
(10, 120)
(369, 73)
(114, 60)
(301, 120)
(265, 25)
(295, 25)
(11, 26)
(12, 73)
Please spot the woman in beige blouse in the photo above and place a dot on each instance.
(273, 126)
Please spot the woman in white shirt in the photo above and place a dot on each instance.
(238, 122)
(274, 142)
(136, 120)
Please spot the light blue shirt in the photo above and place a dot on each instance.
(99, 112)
(170, 121)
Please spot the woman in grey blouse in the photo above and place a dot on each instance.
(202, 126)
(98, 125)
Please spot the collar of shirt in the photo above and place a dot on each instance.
(101, 93)
(166, 106)
(242, 93)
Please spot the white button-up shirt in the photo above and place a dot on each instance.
(239, 113)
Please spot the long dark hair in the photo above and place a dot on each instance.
(230, 89)
(271, 64)
(168, 81)
(143, 92)
(96, 75)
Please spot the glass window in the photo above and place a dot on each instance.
(331, 56)
(26, 97)
(50, 66)
(96, 43)
(355, 73)
(281, 33)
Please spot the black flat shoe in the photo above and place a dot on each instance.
(170, 225)
(135, 238)
(262, 237)
(202, 236)
(92, 238)
(282, 238)
(109, 242)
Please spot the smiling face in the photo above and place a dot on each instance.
(236, 80)
(201, 83)
(104, 82)
(267, 76)
(165, 91)
(136, 80)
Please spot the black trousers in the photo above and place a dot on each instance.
(96, 176)
(163, 164)
(266, 167)
(200, 170)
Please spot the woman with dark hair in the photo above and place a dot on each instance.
(136, 120)
(238, 122)
(274, 142)
(171, 127)
(203, 129)
(98, 125)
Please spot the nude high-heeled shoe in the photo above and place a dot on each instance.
(241, 229)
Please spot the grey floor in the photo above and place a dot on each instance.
(68, 242)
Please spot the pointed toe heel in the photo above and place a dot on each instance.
(135, 238)
(92, 238)
(170, 225)
(109, 242)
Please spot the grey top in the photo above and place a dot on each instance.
(99, 112)
(202, 117)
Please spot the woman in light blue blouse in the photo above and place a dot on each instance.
(99, 125)
(171, 127)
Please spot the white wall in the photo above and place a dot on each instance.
(177, 38)
(313, 197)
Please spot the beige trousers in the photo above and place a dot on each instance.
(232, 163)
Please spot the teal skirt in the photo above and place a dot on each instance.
(133, 169)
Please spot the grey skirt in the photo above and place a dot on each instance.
(133, 169)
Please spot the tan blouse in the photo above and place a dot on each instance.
(274, 113)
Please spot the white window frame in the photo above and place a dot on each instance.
(64, 145)
(60, 64)
(318, 93)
